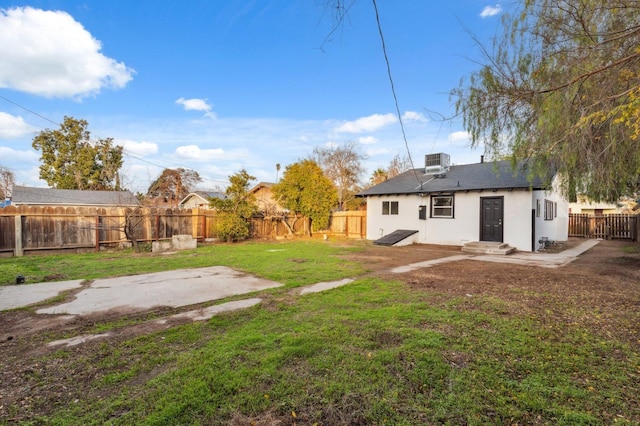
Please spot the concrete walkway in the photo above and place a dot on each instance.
(543, 260)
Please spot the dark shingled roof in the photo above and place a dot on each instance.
(26, 195)
(208, 194)
(466, 177)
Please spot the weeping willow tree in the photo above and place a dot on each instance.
(560, 87)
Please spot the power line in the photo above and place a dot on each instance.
(393, 90)
(124, 151)
(28, 110)
(170, 163)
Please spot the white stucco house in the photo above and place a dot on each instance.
(463, 204)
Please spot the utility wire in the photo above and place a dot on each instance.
(28, 110)
(124, 151)
(393, 90)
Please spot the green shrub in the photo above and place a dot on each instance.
(231, 227)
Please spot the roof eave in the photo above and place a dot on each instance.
(452, 190)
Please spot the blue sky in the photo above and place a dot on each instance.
(218, 86)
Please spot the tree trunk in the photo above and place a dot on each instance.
(131, 235)
(291, 227)
(130, 226)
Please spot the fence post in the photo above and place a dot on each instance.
(194, 223)
(18, 228)
(97, 233)
(203, 226)
(347, 219)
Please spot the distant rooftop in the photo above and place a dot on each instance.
(26, 195)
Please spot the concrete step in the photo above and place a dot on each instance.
(488, 247)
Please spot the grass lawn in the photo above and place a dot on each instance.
(291, 263)
(372, 352)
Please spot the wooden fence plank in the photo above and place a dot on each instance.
(608, 226)
(49, 228)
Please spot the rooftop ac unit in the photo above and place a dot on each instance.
(436, 163)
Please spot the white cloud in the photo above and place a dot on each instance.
(410, 116)
(14, 127)
(137, 148)
(367, 140)
(9, 156)
(195, 104)
(137, 176)
(489, 11)
(367, 124)
(331, 144)
(460, 136)
(195, 153)
(48, 53)
(378, 151)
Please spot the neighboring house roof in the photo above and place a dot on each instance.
(210, 194)
(466, 177)
(204, 195)
(25, 195)
(261, 185)
(265, 199)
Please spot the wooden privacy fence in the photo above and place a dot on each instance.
(31, 229)
(607, 226)
(351, 224)
(27, 230)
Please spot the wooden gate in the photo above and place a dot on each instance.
(607, 226)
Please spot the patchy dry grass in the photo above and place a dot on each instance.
(491, 348)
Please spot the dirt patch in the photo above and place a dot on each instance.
(599, 290)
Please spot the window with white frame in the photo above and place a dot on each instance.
(549, 210)
(389, 207)
(442, 206)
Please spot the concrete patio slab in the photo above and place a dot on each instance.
(18, 296)
(171, 288)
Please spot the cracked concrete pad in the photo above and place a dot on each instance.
(172, 288)
(195, 315)
(428, 263)
(208, 312)
(17, 296)
(77, 340)
(318, 287)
